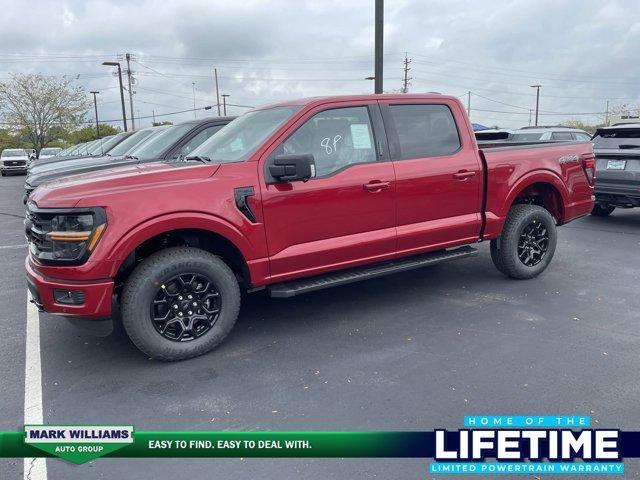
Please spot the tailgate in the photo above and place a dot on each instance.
(618, 170)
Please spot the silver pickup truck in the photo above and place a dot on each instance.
(13, 160)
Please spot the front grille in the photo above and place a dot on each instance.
(37, 225)
(14, 163)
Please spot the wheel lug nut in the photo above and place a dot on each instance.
(180, 297)
(175, 306)
(189, 297)
(195, 304)
(179, 314)
(190, 312)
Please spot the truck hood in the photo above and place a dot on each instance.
(36, 178)
(81, 189)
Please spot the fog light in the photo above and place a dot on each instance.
(68, 297)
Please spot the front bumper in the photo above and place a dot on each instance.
(14, 168)
(97, 294)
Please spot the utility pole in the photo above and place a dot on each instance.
(95, 106)
(133, 122)
(193, 84)
(215, 73)
(469, 103)
(379, 49)
(537, 87)
(530, 112)
(224, 102)
(405, 82)
(153, 114)
(606, 115)
(124, 113)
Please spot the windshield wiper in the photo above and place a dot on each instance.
(199, 158)
(628, 146)
(133, 157)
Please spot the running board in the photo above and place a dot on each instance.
(304, 285)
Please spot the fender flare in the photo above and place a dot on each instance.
(530, 178)
(178, 221)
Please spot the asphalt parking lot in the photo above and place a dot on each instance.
(414, 351)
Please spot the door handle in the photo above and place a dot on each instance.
(463, 175)
(376, 185)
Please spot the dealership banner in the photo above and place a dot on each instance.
(485, 445)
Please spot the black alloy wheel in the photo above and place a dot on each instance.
(185, 307)
(533, 243)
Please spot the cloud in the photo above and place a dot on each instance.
(582, 52)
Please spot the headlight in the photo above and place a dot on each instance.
(64, 236)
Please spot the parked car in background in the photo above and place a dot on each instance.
(14, 160)
(294, 197)
(617, 151)
(49, 152)
(492, 135)
(94, 148)
(549, 134)
(161, 143)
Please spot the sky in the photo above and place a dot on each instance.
(583, 53)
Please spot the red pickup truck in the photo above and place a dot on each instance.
(294, 197)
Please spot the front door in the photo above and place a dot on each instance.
(345, 214)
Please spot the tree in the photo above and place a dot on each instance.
(36, 104)
(87, 134)
(160, 124)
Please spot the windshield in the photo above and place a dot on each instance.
(105, 144)
(239, 139)
(525, 137)
(14, 153)
(130, 142)
(49, 151)
(157, 144)
(614, 138)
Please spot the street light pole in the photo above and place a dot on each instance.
(193, 84)
(133, 122)
(379, 37)
(224, 102)
(215, 73)
(537, 87)
(95, 106)
(124, 114)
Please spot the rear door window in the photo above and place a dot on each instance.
(424, 131)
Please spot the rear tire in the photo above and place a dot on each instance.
(154, 288)
(527, 242)
(600, 210)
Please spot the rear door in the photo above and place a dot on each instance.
(438, 175)
(345, 214)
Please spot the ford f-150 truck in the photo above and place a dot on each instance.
(294, 197)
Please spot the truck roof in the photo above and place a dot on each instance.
(346, 98)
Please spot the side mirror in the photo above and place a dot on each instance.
(289, 168)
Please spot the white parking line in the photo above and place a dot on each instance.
(34, 468)
(13, 246)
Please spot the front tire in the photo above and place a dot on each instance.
(180, 303)
(600, 210)
(527, 242)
